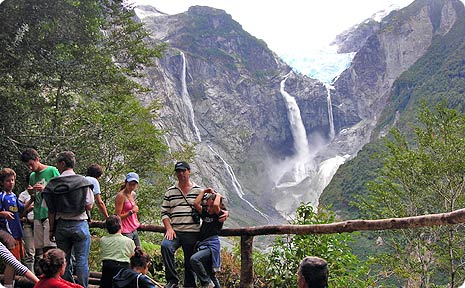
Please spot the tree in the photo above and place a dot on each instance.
(420, 177)
(278, 267)
(68, 81)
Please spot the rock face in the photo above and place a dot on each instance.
(221, 89)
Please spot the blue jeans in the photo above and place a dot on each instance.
(74, 236)
(201, 263)
(185, 240)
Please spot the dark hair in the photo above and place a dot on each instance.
(315, 272)
(113, 224)
(94, 170)
(6, 172)
(68, 157)
(29, 154)
(139, 259)
(52, 262)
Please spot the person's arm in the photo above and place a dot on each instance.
(198, 200)
(8, 258)
(101, 206)
(217, 203)
(119, 202)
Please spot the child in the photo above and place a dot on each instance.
(207, 260)
(10, 222)
(116, 251)
(136, 276)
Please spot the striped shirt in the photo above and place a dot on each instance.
(176, 209)
(8, 258)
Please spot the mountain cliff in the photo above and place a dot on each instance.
(265, 136)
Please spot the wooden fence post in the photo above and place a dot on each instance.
(246, 262)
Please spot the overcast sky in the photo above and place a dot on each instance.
(290, 26)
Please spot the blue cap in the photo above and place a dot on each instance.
(132, 176)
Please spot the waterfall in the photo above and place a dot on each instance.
(330, 111)
(298, 132)
(236, 185)
(186, 99)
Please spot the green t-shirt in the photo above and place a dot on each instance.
(40, 209)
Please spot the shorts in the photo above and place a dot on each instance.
(18, 250)
(42, 234)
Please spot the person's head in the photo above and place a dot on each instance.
(7, 179)
(182, 170)
(140, 261)
(65, 160)
(113, 224)
(31, 158)
(131, 183)
(313, 273)
(94, 170)
(53, 263)
(209, 200)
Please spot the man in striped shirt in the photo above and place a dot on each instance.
(181, 229)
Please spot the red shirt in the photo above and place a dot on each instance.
(55, 283)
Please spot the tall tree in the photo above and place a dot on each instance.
(422, 176)
(68, 80)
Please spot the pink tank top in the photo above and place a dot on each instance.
(130, 223)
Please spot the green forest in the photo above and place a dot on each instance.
(68, 81)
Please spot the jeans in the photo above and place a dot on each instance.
(201, 263)
(134, 236)
(185, 240)
(74, 236)
(29, 249)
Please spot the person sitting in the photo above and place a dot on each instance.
(53, 266)
(116, 251)
(313, 273)
(136, 275)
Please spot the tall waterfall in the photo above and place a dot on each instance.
(330, 111)
(187, 100)
(298, 132)
(237, 186)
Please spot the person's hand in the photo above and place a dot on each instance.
(208, 190)
(51, 236)
(38, 187)
(8, 215)
(170, 234)
(224, 216)
(135, 209)
(31, 191)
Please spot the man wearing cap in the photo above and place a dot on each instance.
(69, 197)
(181, 229)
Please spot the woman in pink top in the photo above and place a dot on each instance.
(126, 207)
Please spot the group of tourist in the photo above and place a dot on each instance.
(51, 217)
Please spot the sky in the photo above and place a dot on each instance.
(291, 26)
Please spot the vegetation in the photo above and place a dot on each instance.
(421, 177)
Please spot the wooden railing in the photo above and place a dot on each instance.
(247, 233)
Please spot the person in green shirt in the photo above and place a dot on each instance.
(116, 251)
(38, 179)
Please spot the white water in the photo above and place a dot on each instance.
(298, 133)
(237, 186)
(330, 112)
(186, 99)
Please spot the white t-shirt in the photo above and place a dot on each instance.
(94, 182)
(24, 197)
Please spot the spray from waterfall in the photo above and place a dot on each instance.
(332, 133)
(237, 186)
(186, 99)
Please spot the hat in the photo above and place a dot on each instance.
(181, 165)
(132, 176)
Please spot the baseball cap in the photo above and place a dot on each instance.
(132, 176)
(181, 165)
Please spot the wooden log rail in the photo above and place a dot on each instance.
(247, 233)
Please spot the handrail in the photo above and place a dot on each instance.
(247, 233)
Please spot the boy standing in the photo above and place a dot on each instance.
(10, 222)
(38, 179)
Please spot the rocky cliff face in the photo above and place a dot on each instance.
(224, 91)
